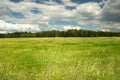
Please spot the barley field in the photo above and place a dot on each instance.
(60, 58)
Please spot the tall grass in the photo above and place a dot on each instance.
(60, 59)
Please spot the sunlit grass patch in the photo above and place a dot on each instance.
(60, 59)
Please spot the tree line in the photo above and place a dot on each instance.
(68, 33)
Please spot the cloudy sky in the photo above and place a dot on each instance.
(42, 15)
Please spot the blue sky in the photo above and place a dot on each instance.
(60, 1)
(40, 15)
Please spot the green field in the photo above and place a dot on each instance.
(60, 58)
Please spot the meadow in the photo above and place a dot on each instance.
(60, 58)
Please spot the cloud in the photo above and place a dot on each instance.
(88, 11)
(111, 11)
(40, 13)
(110, 15)
(110, 26)
(4, 11)
(69, 3)
(71, 27)
(9, 27)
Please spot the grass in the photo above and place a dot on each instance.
(60, 59)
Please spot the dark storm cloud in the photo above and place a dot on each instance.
(111, 11)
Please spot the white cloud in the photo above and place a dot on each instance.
(3, 32)
(104, 30)
(69, 3)
(110, 26)
(85, 13)
(48, 12)
(71, 27)
(4, 27)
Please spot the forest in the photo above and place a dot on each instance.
(55, 33)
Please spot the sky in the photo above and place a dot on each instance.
(44, 15)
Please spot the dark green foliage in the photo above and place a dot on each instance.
(68, 33)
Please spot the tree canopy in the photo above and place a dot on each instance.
(68, 33)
